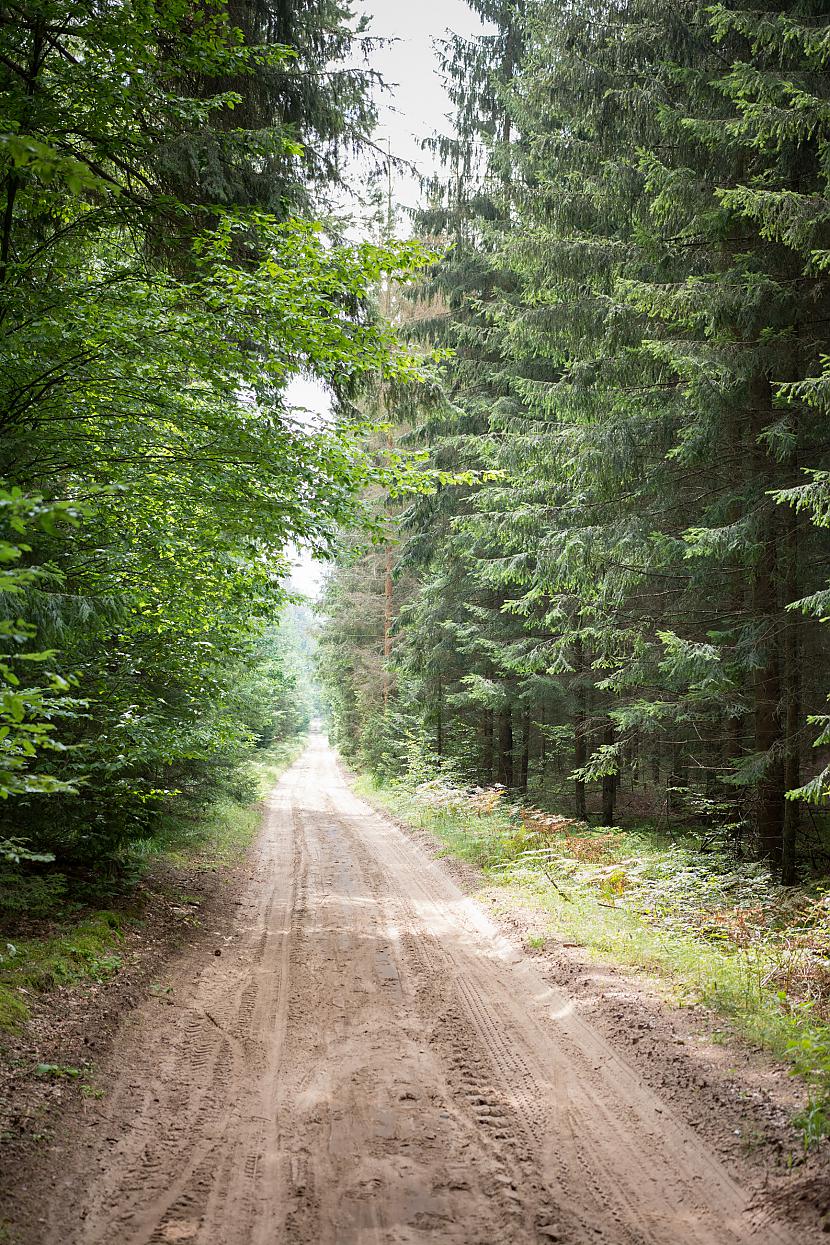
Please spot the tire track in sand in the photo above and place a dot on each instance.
(371, 1062)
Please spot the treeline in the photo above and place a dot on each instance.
(168, 260)
(625, 606)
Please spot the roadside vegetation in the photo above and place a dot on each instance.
(54, 930)
(575, 475)
(169, 264)
(715, 930)
(617, 608)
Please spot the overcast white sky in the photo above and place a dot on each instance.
(417, 104)
(414, 107)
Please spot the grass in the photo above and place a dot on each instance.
(272, 763)
(714, 931)
(85, 950)
(217, 839)
(220, 837)
(76, 948)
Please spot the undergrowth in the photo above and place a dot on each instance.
(83, 950)
(720, 930)
(220, 835)
(68, 938)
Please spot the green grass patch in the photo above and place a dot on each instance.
(84, 951)
(713, 930)
(13, 1010)
(73, 949)
(271, 763)
(216, 839)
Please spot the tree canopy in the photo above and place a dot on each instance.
(162, 277)
(629, 600)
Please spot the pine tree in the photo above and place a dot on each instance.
(636, 298)
(676, 321)
(297, 110)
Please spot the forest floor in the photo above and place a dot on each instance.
(350, 1049)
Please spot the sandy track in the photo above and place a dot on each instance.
(369, 1061)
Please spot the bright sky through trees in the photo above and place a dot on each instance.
(414, 106)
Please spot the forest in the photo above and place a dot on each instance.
(580, 412)
(414, 622)
(619, 609)
(169, 258)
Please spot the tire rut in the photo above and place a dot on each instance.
(369, 1061)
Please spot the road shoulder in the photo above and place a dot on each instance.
(735, 1097)
(178, 914)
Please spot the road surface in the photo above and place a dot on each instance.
(369, 1061)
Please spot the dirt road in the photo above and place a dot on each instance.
(369, 1061)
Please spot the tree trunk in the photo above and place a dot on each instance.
(524, 760)
(388, 615)
(677, 780)
(766, 682)
(792, 692)
(609, 782)
(580, 730)
(487, 732)
(769, 801)
(505, 756)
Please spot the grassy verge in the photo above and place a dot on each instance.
(272, 764)
(712, 930)
(66, 942)
(221, 835)
(83, 950)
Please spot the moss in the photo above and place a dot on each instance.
(13, 1011)
(80, 951)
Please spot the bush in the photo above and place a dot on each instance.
(35, 895)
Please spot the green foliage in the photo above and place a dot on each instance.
(67, 944)
(220, 834)
(158, 291)
(27, 707)
(629, 600)
(718, 932)
(85, 950)
(29, 894)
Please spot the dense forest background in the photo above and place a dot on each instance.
(619, 605)
(583, 556)
(169, 258)
(573, 488)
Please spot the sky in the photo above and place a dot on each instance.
(415, 106)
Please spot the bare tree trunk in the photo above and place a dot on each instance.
(678, 779)
(766, 683)
(524, 760)
(792, 693)
(505, 752)
(388, 611)
(609, 782)
(439, 723)
(580, 730)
